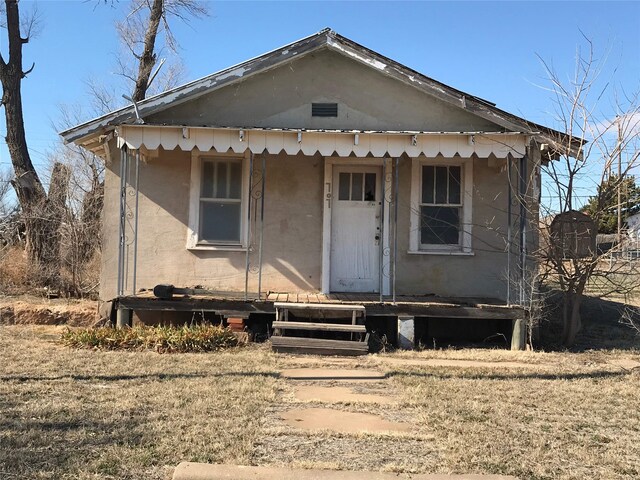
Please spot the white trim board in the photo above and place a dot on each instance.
(329, 162)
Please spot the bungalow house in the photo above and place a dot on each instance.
(319, 173)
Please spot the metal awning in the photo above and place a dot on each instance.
(325, 142)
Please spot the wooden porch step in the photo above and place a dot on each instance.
(318, 346)
(319, 306)
(323, 327)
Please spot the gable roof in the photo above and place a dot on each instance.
(324, 39)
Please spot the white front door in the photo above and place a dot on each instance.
(355, 229)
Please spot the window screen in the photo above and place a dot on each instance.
(441, 205)
(220, 201)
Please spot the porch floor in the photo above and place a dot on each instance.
(227, 303)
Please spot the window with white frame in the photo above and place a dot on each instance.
(220, 201)
(441, 217)
(441, 205)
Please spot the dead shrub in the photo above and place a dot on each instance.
(200, 338)
(14, 276)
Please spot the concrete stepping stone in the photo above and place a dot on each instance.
(204, 471)
(625, 363)
(437, 362)
(340, 421)
(331, 374)
(338, 394)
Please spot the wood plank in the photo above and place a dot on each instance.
(318, 346)
(324, 327)
(319, 306)
(190, 305)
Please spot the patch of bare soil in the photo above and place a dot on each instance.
(25, 310)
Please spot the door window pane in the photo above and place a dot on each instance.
(344, 185)
(356, 186)
(370, 187)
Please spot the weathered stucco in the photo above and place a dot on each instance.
(281, 98)
(293, 233)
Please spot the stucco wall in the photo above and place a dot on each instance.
(293, 233)
(282, 97)
(482, 274)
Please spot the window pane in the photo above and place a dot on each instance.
(235, 180)
(441, 185)
(221, 180)
(344, 184)
(370, 187)
(454, 185)
(207, 180)
(220, 221)
(356, 186)
(427, 184)
(440, 225)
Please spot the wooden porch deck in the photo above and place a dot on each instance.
(229, 303)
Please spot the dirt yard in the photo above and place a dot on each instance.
(113, 415)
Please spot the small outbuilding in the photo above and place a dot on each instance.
(573, 234)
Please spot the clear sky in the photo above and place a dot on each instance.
(488, 49)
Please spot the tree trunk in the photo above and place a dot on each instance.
(148, 58)
(27, 184)
(571, 317)
(42, 215)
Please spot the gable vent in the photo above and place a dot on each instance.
(324, 109)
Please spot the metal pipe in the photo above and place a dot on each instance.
(246, 260)
(396, 192)
(135, 230)
(264, 180)
(523, 227)
(509, 216)
(381, 234)
(121, 226)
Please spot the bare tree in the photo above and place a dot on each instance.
(39, 210)
(138, 32)
(604, 141)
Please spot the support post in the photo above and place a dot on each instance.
(406, 332)
(523, 228)
(381, 235)
(246, 258)
(135, 231)
(124, 168)
(518, 334)
(509, 218)
(264, 180)
(124, 317)
(395, 224)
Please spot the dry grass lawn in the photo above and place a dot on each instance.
(84, 414)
